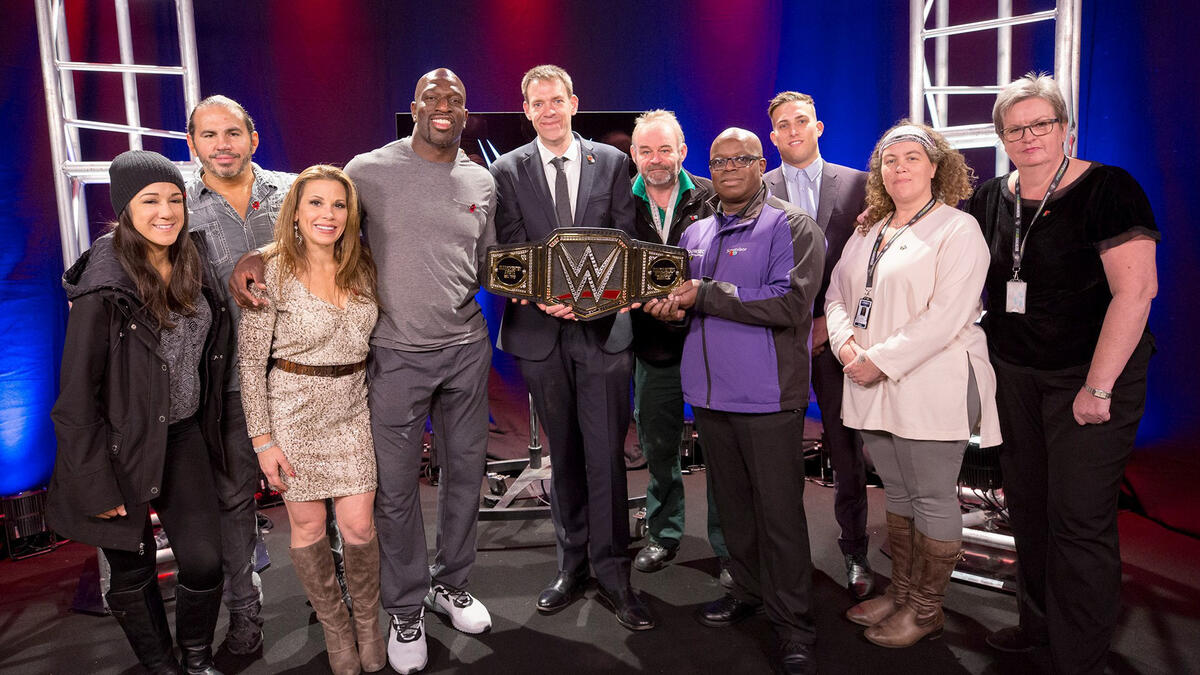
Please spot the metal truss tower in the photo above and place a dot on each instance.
(929, 88)
(71, 170)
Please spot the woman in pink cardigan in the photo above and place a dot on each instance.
(901, 307)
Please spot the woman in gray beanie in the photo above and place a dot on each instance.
(137, 417)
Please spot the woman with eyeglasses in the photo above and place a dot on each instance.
(901, 309)
(1068, 295)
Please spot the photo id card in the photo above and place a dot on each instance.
(863, 315)
(1014, 303)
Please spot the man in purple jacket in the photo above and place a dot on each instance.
(745, 372)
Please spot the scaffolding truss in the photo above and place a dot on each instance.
(931, 91)
(72, 172)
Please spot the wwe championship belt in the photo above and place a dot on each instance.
(595, 270)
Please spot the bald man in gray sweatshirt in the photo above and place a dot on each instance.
(428, 220)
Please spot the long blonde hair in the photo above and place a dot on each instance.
(356, 268)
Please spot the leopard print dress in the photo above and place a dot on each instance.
(321, 423)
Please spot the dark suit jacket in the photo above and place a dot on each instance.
(525, 212)
(843, 196)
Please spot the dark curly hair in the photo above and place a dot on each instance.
(951, 181)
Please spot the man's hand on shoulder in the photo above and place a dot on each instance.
(248, 270)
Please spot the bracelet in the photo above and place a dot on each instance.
(259, 449)
(1098, 393)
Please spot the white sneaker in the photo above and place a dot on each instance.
(467, 614)
(407, 652)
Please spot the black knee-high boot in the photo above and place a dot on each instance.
(143, 617)
(195, 620)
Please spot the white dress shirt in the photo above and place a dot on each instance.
(571, 166)
(804, 185)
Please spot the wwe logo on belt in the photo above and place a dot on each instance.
(585, 277)
(595, 270)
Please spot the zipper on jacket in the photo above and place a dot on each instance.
(707, 371)
(715, 250)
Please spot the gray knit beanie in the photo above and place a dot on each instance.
(130, 172)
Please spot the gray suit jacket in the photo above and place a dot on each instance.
(525, 212)
(843, 196)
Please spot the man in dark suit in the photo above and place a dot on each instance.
(577, 372)
(833, 195)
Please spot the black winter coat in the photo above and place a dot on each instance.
(657, 343)
(110, 418)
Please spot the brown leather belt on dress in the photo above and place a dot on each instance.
(320, 371)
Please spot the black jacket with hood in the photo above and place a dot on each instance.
(655, 342)
(110, 418)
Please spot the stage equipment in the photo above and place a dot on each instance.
(597, 271)
(499, 504)
(691, 453)
(23, 517)
(989, 552)
(71, 171)
(933, 90)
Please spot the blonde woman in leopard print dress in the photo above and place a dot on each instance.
(303, 359)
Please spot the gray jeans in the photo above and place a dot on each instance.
(920, 478)
(236, 486)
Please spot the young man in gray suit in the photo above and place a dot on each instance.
(577, 372)
(833, 195)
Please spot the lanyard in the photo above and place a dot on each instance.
(1018, 241)
(877, 252)
(663, 223)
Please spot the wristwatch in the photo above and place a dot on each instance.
(1098, 393)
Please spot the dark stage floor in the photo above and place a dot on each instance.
(38, 634)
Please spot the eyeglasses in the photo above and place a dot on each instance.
(739, 162)
(1039, 128)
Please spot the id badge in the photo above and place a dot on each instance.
(1014, 302)
(863, 315)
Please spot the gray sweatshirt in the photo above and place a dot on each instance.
(428, 225)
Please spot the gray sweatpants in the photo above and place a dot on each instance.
(449, 385)
(920, 478)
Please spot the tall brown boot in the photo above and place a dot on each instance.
(873, 610)
(362, 580)
(922, 615)
(314, 566)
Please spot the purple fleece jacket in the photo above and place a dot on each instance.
(747, 343)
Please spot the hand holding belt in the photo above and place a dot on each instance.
(595, 270)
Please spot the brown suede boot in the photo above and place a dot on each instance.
(362, 579)
(922, 615)
(873, 610)
(314, 566)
